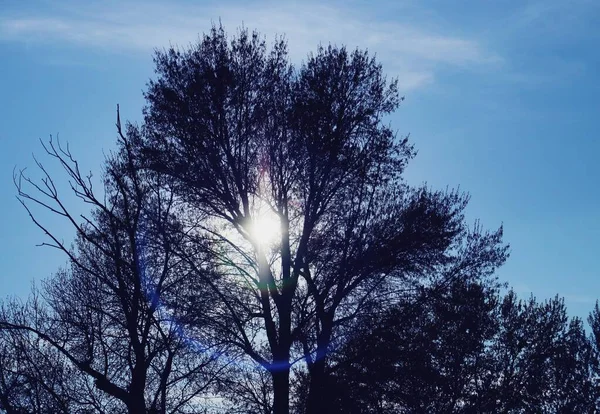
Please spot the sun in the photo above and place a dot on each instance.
(266, 227)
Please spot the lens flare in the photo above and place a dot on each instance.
(266, 227)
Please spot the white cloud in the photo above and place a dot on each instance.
(408, 52)
(580, 299)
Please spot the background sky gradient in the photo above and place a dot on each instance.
(502, 98)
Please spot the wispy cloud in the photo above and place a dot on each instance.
(580, 299)
(409, 52)
(556, 16)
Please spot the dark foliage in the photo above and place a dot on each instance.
(467, 350)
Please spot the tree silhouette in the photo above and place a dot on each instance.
(466, 350)
(423, 354)
(102, 314)
(238, 129)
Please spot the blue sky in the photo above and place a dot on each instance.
(501, 99)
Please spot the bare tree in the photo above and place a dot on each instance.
(112, 314)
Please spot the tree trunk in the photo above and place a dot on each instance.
(281, 391)
(135, 406)
(315, 402)
(137, 387)
(317, 399)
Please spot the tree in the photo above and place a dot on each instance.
(423, 354)
(111, 315)
(540, 361)
(467, 350)
(242, 134)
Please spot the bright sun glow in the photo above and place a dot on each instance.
(265, 227)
